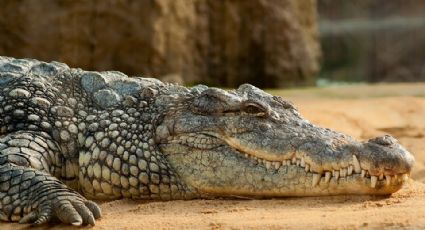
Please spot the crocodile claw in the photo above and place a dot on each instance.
(68, 209)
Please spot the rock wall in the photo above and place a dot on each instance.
(268, 43)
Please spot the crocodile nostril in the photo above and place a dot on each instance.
(265, 127)
(384, 140)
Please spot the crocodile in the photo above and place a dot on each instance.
(69, 136)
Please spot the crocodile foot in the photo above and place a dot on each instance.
(68, 207)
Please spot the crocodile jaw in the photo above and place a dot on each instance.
(237, 164)
(226, 172)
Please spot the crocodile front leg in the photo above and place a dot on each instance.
(31, 196)
(29, 193)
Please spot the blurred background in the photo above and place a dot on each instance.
(372, 40)
(269, 43)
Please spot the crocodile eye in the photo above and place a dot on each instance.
(254, 108)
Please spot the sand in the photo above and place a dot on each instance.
(361, 111)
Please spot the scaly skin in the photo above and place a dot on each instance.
(66, 132)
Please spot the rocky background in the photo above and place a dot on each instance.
(271, 43)
(268, 43)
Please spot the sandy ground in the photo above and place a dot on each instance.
(361, 111)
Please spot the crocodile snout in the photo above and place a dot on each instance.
(386, 156)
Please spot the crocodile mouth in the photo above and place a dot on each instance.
(352, 168)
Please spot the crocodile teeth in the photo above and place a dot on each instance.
(405, 177)
(363, 173)
(307, 167)
(388, 179)
(302, 162)
(327, 177)
(356, 164)
(298, 162)
(268, 164)
(350, 170)
(373, 180)
(294, 160)
(336, 174)
(381, 177)
(276, 165)
(316, 179)
(288, 162)
(343, 172)
(246, 155)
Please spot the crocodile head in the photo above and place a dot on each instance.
(249, 143)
